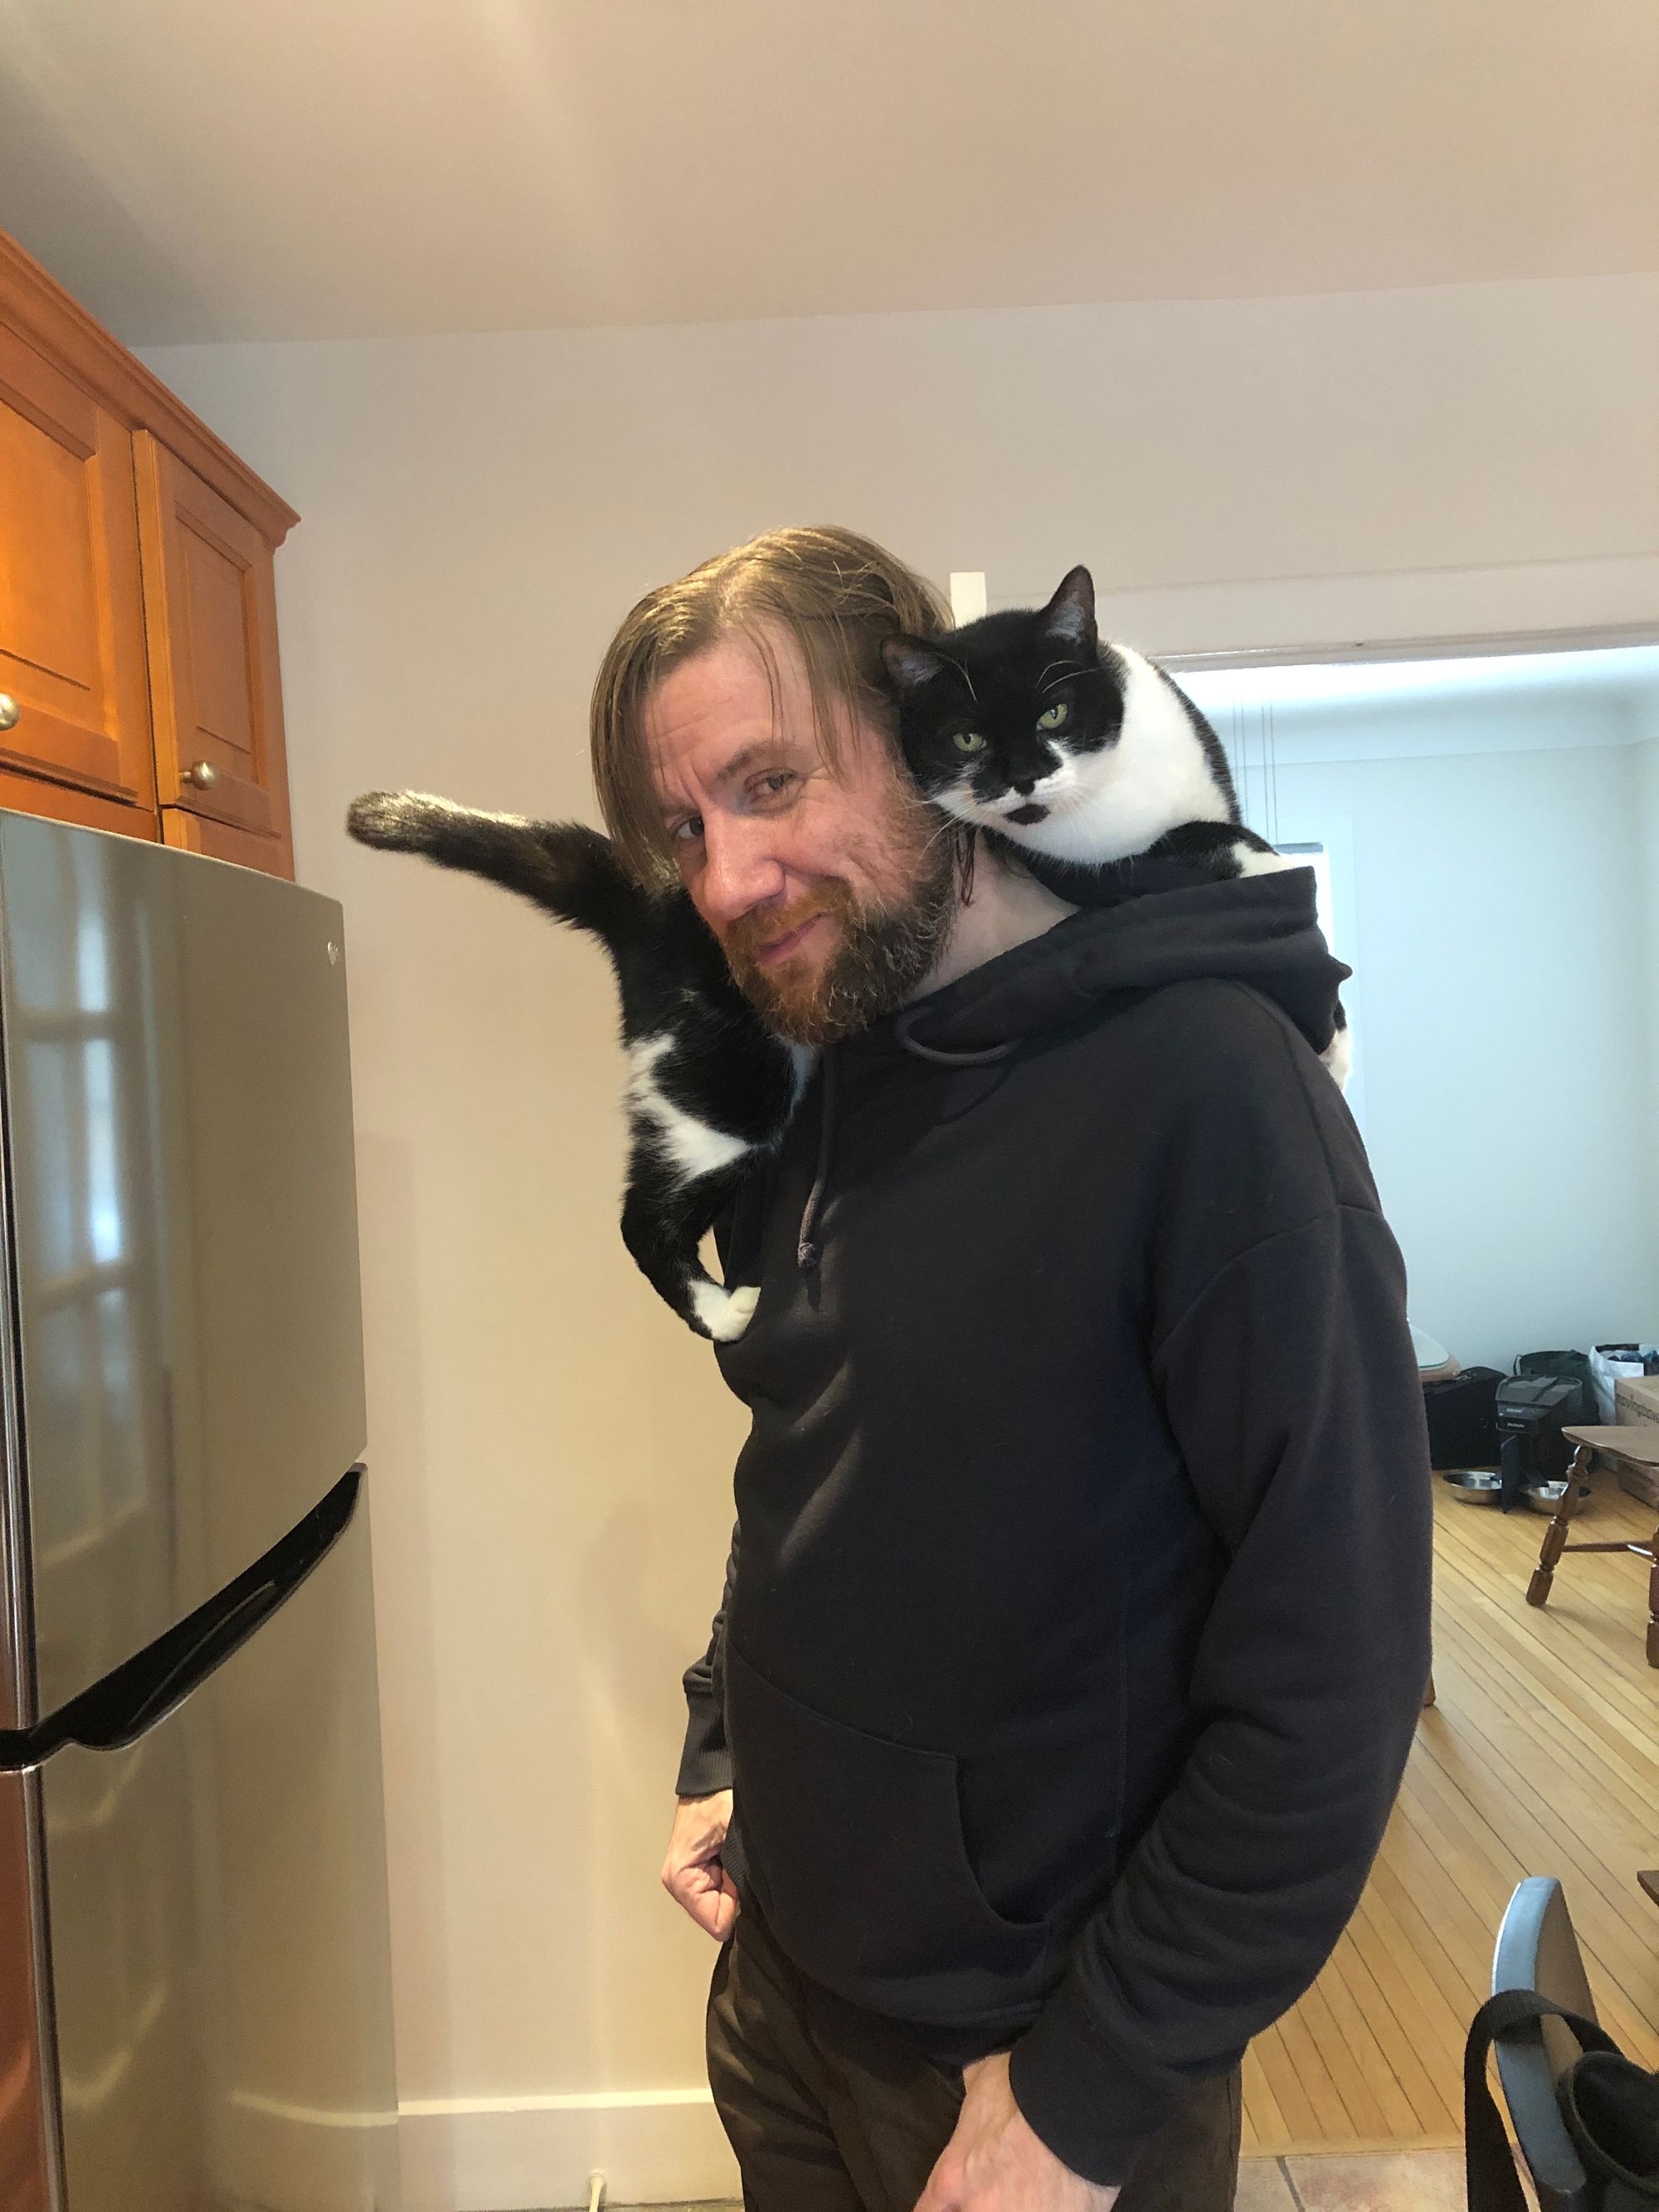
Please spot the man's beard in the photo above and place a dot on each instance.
(884, 950)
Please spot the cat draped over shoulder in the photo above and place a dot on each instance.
(1073, 754)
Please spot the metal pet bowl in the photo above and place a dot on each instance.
(1480, 1485)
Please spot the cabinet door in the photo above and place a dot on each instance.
(222, 840)
(71, 618)
(210, 618)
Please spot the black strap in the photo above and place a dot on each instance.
(1610, 2108)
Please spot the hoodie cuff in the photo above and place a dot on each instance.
(1075, 2093)
(705, 1762)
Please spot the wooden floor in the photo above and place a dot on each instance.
(1541, 1757)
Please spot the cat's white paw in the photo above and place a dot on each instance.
(725, 1314)
(1338, 1057)
(1252, 863)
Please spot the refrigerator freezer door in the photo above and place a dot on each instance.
(27, 2128)
(216, 1898)
(182, 1202)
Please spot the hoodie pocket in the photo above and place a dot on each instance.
(855, 1849)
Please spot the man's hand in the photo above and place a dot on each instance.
(692, 1873)
(995, 2163)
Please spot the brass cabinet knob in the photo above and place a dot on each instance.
(10, 713)
(203, 775)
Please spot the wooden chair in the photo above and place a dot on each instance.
(1538, 1950)
(1637, 1443)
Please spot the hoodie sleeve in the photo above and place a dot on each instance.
(1289, 1384)
(705, 1763)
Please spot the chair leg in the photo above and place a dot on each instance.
(1555, 1536)
(1653, 1603)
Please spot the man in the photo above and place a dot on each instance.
(1077, 1621)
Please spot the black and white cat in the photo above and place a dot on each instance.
(710, 1089)
(1080, 755)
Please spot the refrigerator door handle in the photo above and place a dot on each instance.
(145, 1688)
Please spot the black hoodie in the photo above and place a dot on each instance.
(1081, 1620)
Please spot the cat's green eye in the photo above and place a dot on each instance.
(970, 741)
(1053, 717)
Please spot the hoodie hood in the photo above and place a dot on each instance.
(1149, 923)
(1259, 930)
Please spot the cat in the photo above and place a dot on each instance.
(710, 1089)
(1083, 759)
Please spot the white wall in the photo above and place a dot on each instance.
(551, 1454)
(1492, 890)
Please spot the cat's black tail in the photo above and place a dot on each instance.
(567, 870)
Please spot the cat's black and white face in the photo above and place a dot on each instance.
(1001, 721)
(1026, 723)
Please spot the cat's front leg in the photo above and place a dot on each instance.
(665, 1220)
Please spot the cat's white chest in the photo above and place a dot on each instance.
(1108, 805)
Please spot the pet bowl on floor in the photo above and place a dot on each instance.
(1481, 1485)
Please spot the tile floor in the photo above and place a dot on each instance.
(1389, 2181)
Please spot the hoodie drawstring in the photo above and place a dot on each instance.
(904, 1035)
(808, 1250)
(807, 1253)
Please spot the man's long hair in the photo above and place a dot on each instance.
(835, 595)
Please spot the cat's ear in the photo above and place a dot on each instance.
(911, 662)
(1069, 616)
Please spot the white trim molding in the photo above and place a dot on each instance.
(535, 2153)
(1594, 599)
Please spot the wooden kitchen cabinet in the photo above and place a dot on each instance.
(210, 618)
(138, 663)
(71, 616)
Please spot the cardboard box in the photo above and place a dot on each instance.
(1635, 1398)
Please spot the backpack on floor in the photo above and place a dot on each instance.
(1572, 1367)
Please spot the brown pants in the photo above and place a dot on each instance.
(829, 2109)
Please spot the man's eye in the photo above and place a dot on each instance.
(688, 831)
(1055, 715)
(775, 784)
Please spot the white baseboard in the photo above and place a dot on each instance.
(535, 2153)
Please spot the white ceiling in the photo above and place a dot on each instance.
(208, 169)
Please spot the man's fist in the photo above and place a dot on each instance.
(692, 1873)
(995, 2163)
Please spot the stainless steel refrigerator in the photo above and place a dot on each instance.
(194, 1987)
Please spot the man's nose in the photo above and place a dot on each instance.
(739, 870)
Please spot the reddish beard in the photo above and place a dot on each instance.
(882, 950)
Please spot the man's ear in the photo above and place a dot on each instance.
(911, 661)
(1069, 616)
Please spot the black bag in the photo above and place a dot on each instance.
(1564, 1367)
(1610, 2106)
(1463, 1419)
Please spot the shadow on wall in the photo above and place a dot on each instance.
(403, 1590)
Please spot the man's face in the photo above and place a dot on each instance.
(830, 889)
